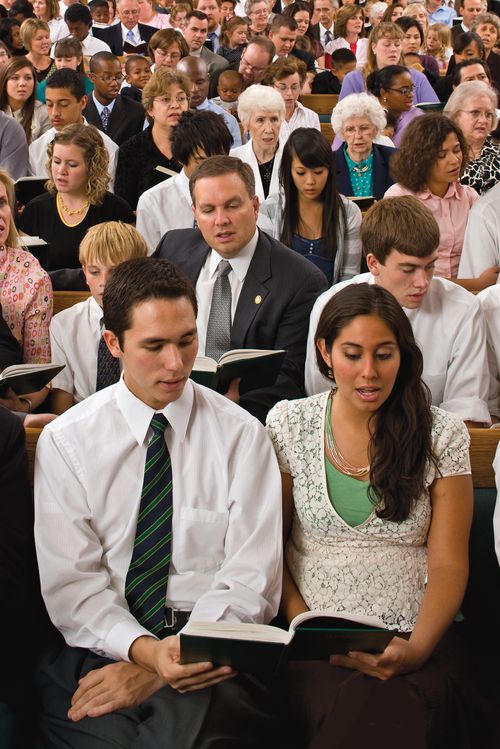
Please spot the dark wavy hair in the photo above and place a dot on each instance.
(313, 150)
(400, 445)
(418, 152)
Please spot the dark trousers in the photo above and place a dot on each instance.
(236, 714)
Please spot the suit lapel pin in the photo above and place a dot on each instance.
(258, 299)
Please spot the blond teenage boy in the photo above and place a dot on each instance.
(76, 332)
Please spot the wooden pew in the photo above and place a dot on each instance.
(65, 299)
(322, 104)
(483, 445)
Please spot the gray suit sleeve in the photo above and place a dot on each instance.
(13, 148)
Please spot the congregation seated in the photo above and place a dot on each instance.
(229, 88)
(302, 12)
(119, 117)
(362, 162)
(65, 100)
(264, 300)
(288, 76)
(261, 111)
(308, 214)
(481, 248)
(429, 164)
(472, 106)
(18, 98)
(385, 48)
(257, 56)
(77, 196)
(350, 33)
(166, 47)
(76, 333)
(400, 240)
(79, 21)
(168, 206)
(143, 159)
(67, 54)
(343, 61)
(233, 40)
(35, 36)
(128, 33)
(49, 11)
(472, 69)
(413, 42)
(137, 74)
(487, 27)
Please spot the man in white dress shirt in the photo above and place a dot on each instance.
(79, 21)
(65, 99)
(481, 249)
(124, 686)
(400, 238)
(168, 205)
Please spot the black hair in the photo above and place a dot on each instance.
(6, 26)
(341, 57)
(99, 57)
(135, 281)
(455, 75)
(200, 131)
(400, 446)
(314, 151)
(97, 4)
(131, 59)
(78, 12)
(406, 23)
(67, 78)
(383, 79)
(23, 7)
(468, 37)
(196, 14)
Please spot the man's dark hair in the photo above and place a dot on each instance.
(341, 57)
(23, 7)
(456, 74)
(131, 59)
(264, 43)
(200, 132)
(67, 78)
(279, 21)
(137, 281)
(406, 23)
(78, 12)
(196, 14)
(99, 57)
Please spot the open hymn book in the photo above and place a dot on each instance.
(262, 649)
(28, 378)
(257, 368)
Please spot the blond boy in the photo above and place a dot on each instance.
(75, 333)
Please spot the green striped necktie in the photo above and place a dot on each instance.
(147, 577)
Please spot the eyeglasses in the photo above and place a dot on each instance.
(294, 88)
(168, 102)
(363, 129)
(262, 12)
(108, 78)
(251, 67)
(475, 114)
(129, 13)
(405, 91)
(167, 55)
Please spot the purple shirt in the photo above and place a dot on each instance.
(354, 83)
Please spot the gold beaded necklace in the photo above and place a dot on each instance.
(65, 208)
(336, 456)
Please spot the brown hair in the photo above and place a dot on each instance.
(282, 68)
(160, 82)
(164, 38)
(14, 65)
(382, 31)
(419, 148)
(404, 224)
(88, 139)
(217, 166)
(229, 27)
(344, 15)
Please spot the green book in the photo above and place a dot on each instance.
(28, 378)
(257, 368)
(262, 650)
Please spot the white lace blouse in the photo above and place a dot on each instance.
(378, 568)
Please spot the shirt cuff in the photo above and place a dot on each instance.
(120, 639)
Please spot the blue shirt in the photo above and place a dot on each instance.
(231, 122)
(314, 250)
(443, 14)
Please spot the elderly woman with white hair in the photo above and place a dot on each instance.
(362, 164)
(261, 111)
(472, 106)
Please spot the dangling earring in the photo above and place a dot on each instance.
(330, 374)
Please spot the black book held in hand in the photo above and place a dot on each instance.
(257, 368)
(135, 49)
(262, 650)
(28, 378)
(28, 188)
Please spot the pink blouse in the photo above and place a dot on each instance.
(451, 213)
(26, 298)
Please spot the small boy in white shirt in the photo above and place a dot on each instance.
(75, 333)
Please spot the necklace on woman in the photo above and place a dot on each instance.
(65, 208)
(336, 456)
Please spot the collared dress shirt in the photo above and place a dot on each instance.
(226, 548)
(301, 117)
(164, 207)
(443, 14)
(206, 281)
(450, 330)
(481, 248)
(74, 340)
(490, 303)
(451, 213)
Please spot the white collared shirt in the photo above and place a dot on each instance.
(322, 33)
(226, 548)
(38, 153)
(301, 117)
(450, 330)
(164, 207)
(74, 341)
(91, 45)
(206, 281)
(490, 304)
(481, 248)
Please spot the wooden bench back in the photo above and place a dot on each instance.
(65, 299)
(320, 103)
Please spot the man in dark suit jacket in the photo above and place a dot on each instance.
(116, 115)
(273, 288)
(116, 36)
(283, 34)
